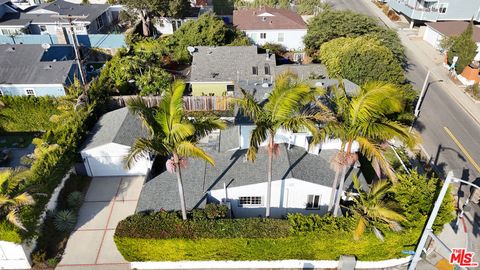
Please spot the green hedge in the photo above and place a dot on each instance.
(314, 223)
(27, 113)
(312, 246)
(166, 225)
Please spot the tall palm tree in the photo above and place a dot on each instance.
(11, 198)
(364, 118)
(286, 108)
(371, 208)
(172, 134)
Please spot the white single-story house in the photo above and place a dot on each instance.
(110, 141)
(437, 31)
(272, 25)
(302, 181)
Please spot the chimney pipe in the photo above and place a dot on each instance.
(268, 54)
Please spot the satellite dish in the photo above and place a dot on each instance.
(191, 49)
(46, 46)
(319, 84)
(265, 85)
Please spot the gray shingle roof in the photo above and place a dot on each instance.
(92, 11)
(119, 126)
(231, 168)
(22, 64)
(350, 87)
(228, 63)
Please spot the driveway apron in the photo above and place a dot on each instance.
(91, 245)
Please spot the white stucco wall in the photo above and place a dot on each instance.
(288, 196)
(12, 256)
(292, 39)
(108, 160)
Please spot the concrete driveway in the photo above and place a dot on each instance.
(108, 201)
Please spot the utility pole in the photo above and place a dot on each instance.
(420, 98)
(431, 219)
(70, 20)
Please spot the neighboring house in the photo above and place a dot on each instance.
(218, 71)
(167, 26)
(437, 31)
(34, 71)
(110, 141)
(271, 25)
(418, 11)
(301, 181)
(43, 19)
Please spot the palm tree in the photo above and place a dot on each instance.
(371, 208)
(11, 198)
(171, 134)
(364, 119)
(285, 109)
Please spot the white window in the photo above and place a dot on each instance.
(442, 8)
(313, 202)
(10, 32)
(254, 36)
(281, 37)
(263, 35)
(29, 92)
(250, 201)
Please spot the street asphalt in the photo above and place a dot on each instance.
(451, 136)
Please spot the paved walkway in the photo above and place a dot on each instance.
(91, 245)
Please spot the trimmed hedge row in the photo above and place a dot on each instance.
(166, 225)
(311, 246)
(314, 223)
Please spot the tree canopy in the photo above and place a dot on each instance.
(464, 47)
(149, 9)
(331, 24)
(361, 60)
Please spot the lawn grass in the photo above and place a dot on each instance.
(312, 246)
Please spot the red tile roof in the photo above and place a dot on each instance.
(250, 19)
(454, 28)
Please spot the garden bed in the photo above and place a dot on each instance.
(53, 240)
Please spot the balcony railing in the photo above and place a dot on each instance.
(415, 12)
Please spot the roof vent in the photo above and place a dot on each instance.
(11, 49)
(271, 22)
(214, 74)
(48, 67)
(264, 19)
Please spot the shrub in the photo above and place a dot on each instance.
(314, 223)
(28, 113)
(332, 24)
(215, 211)
(65, 220)
(416, 195)
(75, 199)
(361, 60)
(165, 225)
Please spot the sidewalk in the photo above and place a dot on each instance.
(432, 59)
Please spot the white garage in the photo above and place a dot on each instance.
(105, 150)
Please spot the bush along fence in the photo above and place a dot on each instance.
(190, 103)
(164, 236)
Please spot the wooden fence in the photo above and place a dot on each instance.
(190, 103)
